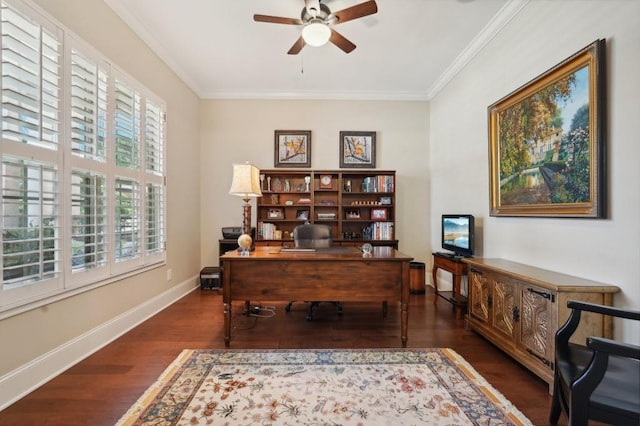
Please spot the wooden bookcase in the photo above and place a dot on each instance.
(359, 206)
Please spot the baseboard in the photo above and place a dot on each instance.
(30, 376)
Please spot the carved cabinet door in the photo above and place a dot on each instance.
(505, 308)
(479, 303)
(536, 335)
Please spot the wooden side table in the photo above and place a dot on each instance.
(457, 268)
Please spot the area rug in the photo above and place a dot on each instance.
(322, 387)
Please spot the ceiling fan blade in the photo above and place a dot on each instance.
(340, 41)
(355, 12)
(276, 19)
(297, 47)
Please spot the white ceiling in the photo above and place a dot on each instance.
(406, 51)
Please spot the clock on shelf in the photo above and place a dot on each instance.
(326, 181)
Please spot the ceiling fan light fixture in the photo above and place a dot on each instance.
(316, 33)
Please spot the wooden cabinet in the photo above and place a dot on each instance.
(359, 206)
(519, 308)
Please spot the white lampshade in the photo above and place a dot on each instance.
(246, 181)
(316, 33)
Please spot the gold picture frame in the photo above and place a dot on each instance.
(547, 142)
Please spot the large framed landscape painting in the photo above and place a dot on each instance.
(547, 142)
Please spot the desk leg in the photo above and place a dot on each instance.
(404, 318)
(404, 303)
(227, 323)
(226, 300)
(434, 275)
(456, 296)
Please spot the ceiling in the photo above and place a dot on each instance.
(406, 51)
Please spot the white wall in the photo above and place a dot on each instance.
(234, 131)
(543, 34)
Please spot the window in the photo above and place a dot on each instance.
(83, 194)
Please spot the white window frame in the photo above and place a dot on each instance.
(68, 281)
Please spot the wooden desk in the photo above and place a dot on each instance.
(457, 269)
(267, 274)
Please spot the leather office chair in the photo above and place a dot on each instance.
(600, 381)
(313, 236)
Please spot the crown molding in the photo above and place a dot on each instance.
(497, 23)
(118, 7)
(320, 95)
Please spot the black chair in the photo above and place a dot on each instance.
(601, 381)
(313, 236)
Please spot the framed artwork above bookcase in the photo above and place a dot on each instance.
(359, 206)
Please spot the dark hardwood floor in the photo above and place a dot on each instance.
(101, 388)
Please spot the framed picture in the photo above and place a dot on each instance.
(357, 149)
(275, 213)
(385, 200)
(547, 142)
(292, 148)
(352, 214)
(378, 214)
(302, 214)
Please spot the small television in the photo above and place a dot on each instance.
(458, 234)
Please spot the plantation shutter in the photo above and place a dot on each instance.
(30, 222)
(155, 218)
(154, 176)
(89, 85)
(31, 215)
(127, 219)
(154, 139)
(127, 126)
(88, 221)
(30, 81)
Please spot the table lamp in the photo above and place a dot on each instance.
(245, 184)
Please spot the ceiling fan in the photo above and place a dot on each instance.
(317, 20)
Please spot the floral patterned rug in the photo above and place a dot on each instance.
(322, 387)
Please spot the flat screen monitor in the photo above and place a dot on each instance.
(458, 234)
